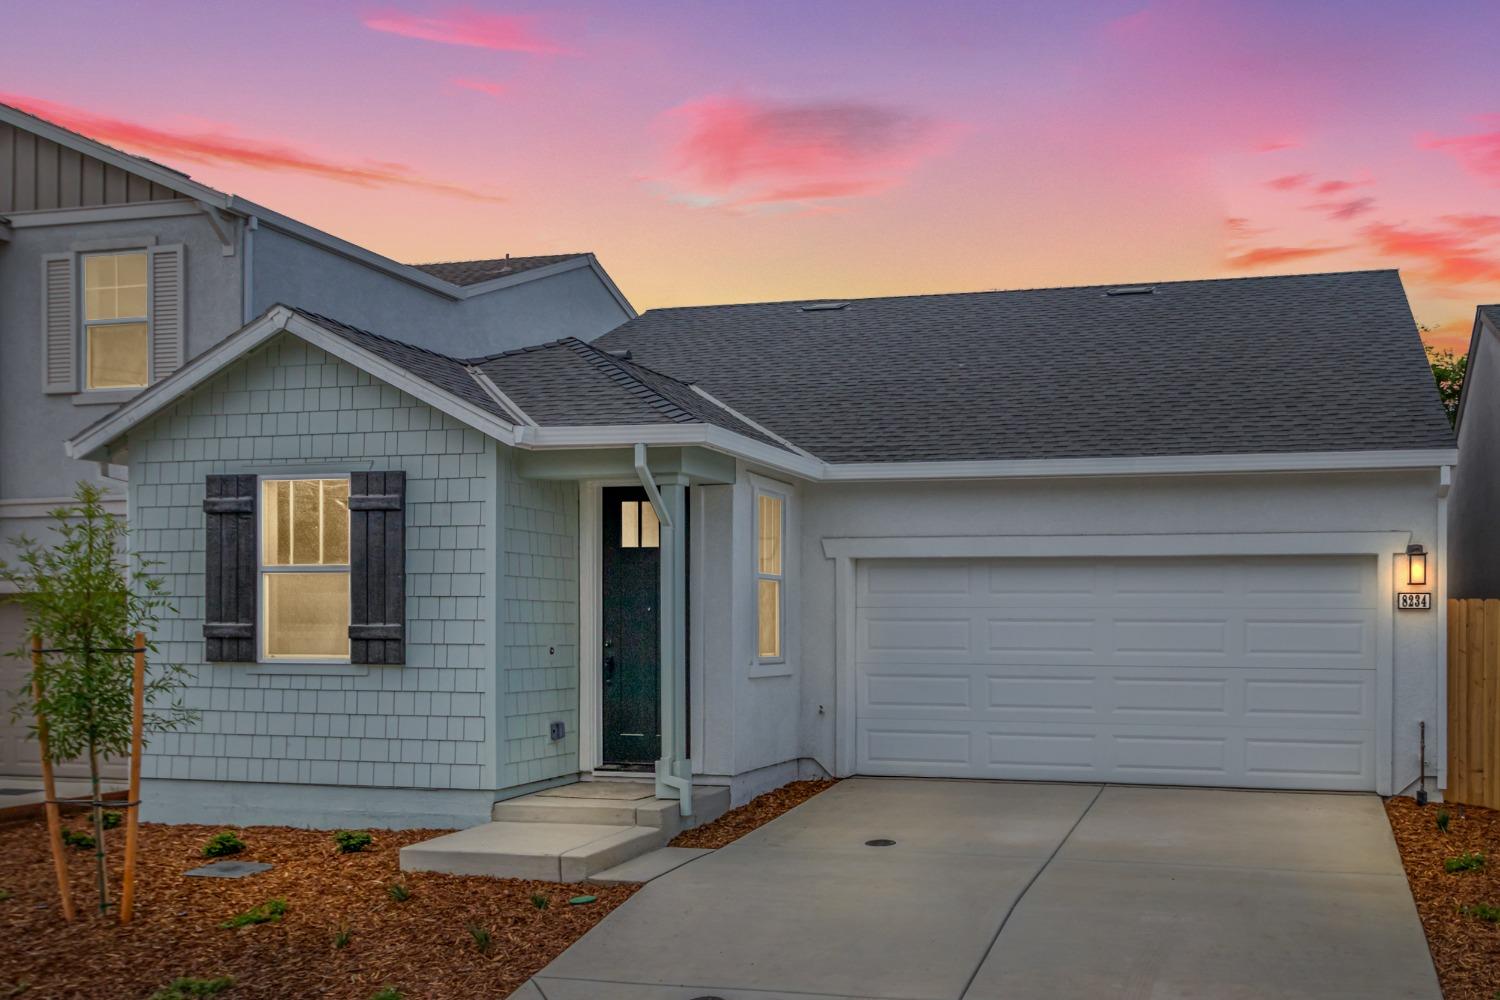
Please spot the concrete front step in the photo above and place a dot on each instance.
(566, 834)
(552, 852)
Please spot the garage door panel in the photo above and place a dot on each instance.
(1268, 680)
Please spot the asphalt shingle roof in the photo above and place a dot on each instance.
(472, 272)
(1320, 362)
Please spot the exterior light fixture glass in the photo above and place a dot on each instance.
(1416, 565)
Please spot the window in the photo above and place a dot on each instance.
(116, 341)
(304, 568)
(639, 526)
(770, 526)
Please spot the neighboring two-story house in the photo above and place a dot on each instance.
(115, 270)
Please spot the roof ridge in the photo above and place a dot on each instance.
(612, 368)
(1033, 288)
(512, 352)
(493, 260)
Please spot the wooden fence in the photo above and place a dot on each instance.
(1474, 702)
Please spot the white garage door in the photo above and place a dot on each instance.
(1251, 672)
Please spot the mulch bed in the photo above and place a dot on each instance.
(1465, 948)
(756, 813)
(422, 946)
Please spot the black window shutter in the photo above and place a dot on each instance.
(377, 567)
(229, 569)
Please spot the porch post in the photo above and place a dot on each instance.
(674, 772)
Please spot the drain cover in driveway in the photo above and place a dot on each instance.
(229, 869)
(880, 842)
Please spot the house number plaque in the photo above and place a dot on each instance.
(1421, 601)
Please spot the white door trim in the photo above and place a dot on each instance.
(1382, 545)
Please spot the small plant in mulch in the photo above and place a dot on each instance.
(269, 912)
(539, 901)
(342, 937)
(5, 894)
(1482, 911)
(186, 987)
(1466, 862)
(15, 990)
(387, 993)
(223, 844)
(1442, 820)
(352, 841)
(112, 819)
(398, 892)
(481, 938)
(82, 841)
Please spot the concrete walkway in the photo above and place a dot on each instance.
(1013, 891)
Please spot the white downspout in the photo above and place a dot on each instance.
(1440, 748)
(673, 770)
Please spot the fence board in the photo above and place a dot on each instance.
(1474, 702)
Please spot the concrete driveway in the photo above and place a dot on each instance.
(1012, 891)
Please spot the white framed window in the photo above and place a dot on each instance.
(304, 569)
(116, 330)
(770, 575)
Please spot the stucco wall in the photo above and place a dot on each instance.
(1404, 501)
(296, 273)
(1474, 503)
(33, 426)
(428, 724)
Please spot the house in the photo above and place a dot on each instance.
(1474, 541)
(114, 270)
(1151, 533)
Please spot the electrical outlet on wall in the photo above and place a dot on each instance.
(558, 731)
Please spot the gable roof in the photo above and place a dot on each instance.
(473, 272)
(1483, 315)
(1302, 363)
(455, 280)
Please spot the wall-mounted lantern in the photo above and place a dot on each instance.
(1416, 565)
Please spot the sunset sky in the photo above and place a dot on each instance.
(720, 152)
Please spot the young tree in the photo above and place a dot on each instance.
(86, 601)
(1448, 369)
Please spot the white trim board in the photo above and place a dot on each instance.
(1382, 545)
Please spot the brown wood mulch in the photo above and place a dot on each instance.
(1465, 948)
(756, 813)
(422, 946)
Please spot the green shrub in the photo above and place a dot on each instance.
(184, 987)
(539, 901)
(352, 841)
(387, 993)
(342, 937)
(1484, 911)
(112, 819)
(82, 841)
(1442, 820)
(1464, 862)
(398, 892)
(222, 844)
(481, 938)
(269, 912)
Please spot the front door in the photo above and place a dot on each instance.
(631, 622)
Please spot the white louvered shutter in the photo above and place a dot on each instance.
(59, 328)
(168, 319)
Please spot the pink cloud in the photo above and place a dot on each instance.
(466, 27)
(1451, 256)
(1277, 144)
(488, 87)
(1259, 256)
(1288, 182)
(224, 148)
(738, 151)
(1479, 153)
(1476, 223)
(1342, 211)
(1338, 186)
(1240, 228)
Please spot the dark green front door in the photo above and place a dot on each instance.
(631, 582)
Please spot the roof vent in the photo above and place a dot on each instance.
(816, 307)
(622, 355)
(1132, 290)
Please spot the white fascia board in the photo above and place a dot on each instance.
(670, 435)
(153, 172)
(103, 213)
(1159, 465)
(92, 443)
(494, 392)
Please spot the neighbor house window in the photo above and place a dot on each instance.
(639, 527)
(116, 338)
(770, 527)
(304, 568)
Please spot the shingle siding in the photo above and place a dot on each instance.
(540, 628)
(420, 725)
